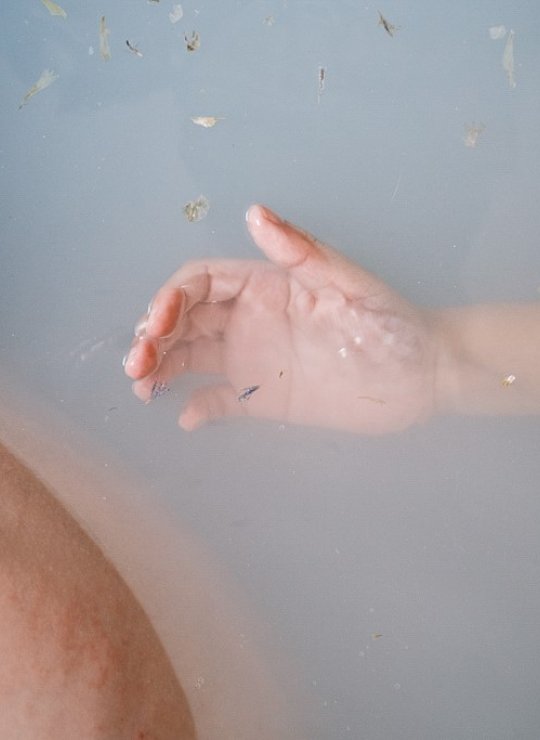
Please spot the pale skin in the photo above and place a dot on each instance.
(328, 343)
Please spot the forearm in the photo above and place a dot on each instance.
(481, 350)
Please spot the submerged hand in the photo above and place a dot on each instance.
(327, 343)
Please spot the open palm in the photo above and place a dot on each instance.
(327, 343)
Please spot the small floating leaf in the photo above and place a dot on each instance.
(104, 32)
(54, 9)
(46, 79)
(196, 210)
(176, 14)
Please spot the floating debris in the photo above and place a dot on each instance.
(134, 49)
(472, 133)
(246, 393)
(206, 121)
(371, 398)
(269, 20)
(104, 32)
(376, 635)
(280, 374)
(321, 83)
(508, 59)
(194, 42)
(54, 9)
(158, 389)
(90, 51)
(388, 27)
(509, 380)
(196, 210)
(396, 188)
(497, 32)
(176, 14)
(46, 79)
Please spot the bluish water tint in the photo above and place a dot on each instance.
(428, 539)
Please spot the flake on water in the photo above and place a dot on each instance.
(508, 59)
(246, 393)
(472, 133)
(158, 389)
(196, 210)
(497, 32)
(206, 121)
(134, 49)
(508, 380)
(269, 20)
(90, 51)
(176, 14)
(46, 79)
(376, 635)
(388, 27)
(321, 82)
(104, 32)
(54, 9)
(193, 43)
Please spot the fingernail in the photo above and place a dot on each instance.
(140, 327)
(258, 214)
(270, 215)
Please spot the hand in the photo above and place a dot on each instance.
(327, 343)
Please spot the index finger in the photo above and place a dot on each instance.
(196, 282)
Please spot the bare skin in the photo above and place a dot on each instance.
(79, 656)
(328, 343)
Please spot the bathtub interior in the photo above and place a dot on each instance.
(395, 575)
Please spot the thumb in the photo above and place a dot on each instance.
(315, 265)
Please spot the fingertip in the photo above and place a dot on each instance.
(167, 307)
(257, 215)
(189, 421)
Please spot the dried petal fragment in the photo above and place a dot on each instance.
(206, 121)
(196, 210)
(54, 9)
(159, 388)
(176, 14)
(134, 49)
(388, 27)
(497, 32)
(322, 81)
(508, 59)
(104, 32)
(472, 133)
(246, 393)
(194, 42)
(46, 79)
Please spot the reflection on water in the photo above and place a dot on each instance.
(415, 152)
